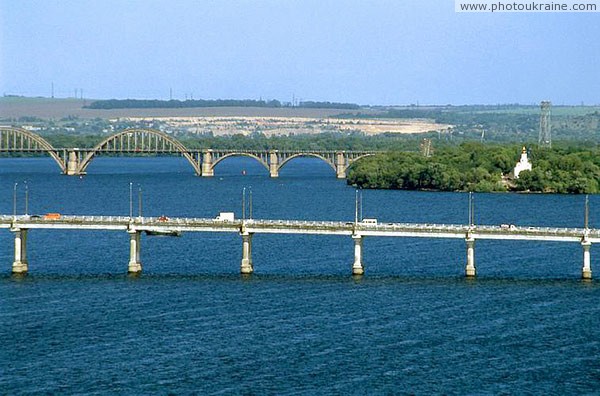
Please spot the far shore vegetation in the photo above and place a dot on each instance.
(482, 168)
(190, 103)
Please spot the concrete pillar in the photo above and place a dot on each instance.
(207, 163)
(357, 267)
(273, 163)
(72, 163)
(247, 267)
(470, 269)
(586, 271)
(135, 265)
(20, 265)
(340, 165)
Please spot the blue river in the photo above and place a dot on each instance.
(301, 324)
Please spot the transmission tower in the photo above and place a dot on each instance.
(545, 139)
(426, 147)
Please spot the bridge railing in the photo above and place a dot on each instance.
(300, 224)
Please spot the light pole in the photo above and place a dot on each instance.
(139, 201)
(360, 204)
(15, 200)
(356, 206)
(26, 198)
(250, 204)
(130, 200)
(471, 209)
(586, 213)
(244, 203)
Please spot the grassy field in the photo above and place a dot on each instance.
(49, 108)
(56, 108)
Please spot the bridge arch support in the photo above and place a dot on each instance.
(211, 158)
(19, 139)
(349, 160)
(340, 161)
(274, 160)
(133, 141)
(286, 158)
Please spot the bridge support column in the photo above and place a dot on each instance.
(340, 165)
(20, 265)
(72, 163)
(357, 266)
(273, 163)
(470, 268)
(247, 267)
(135, 265)
(207, 163)
(586, 271)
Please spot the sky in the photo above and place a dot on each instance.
(370, 52)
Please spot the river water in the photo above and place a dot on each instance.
(301, 324)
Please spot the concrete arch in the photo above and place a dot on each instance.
(44, 145)
(315, 155)
(159, 134)
(355, 160)
(240, 154)
(361, 157)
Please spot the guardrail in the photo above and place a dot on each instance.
(258, 224)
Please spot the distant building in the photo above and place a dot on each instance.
(523, 164)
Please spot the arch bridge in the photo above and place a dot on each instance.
(19, 140)
(274, 160)
(138, 141)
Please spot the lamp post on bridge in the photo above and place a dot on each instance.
(130, 200)
(244, 203)
(586, 213)
(15, 200)
(250, 203)
(246, 207)
(357, 205)
(139, 201)
(26, 197)
(471, 209)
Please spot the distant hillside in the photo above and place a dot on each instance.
(13, 108)
(179, 104)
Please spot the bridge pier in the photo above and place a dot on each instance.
(135, 265)
(72, 163)
(207, 164)
(470, 268)
(246, 267)
(340, 165)
(20, 265)
(586, 271)
(357, 266)
(273, 163)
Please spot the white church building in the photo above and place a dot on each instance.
(523, 164)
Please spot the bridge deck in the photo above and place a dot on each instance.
(125, 223)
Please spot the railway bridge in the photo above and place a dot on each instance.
(138, 141)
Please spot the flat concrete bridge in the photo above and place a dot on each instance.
(137, 141)
(20, 226)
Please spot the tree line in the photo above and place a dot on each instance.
(178, 104)
(482, 168)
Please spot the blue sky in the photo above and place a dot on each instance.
(367, 52)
